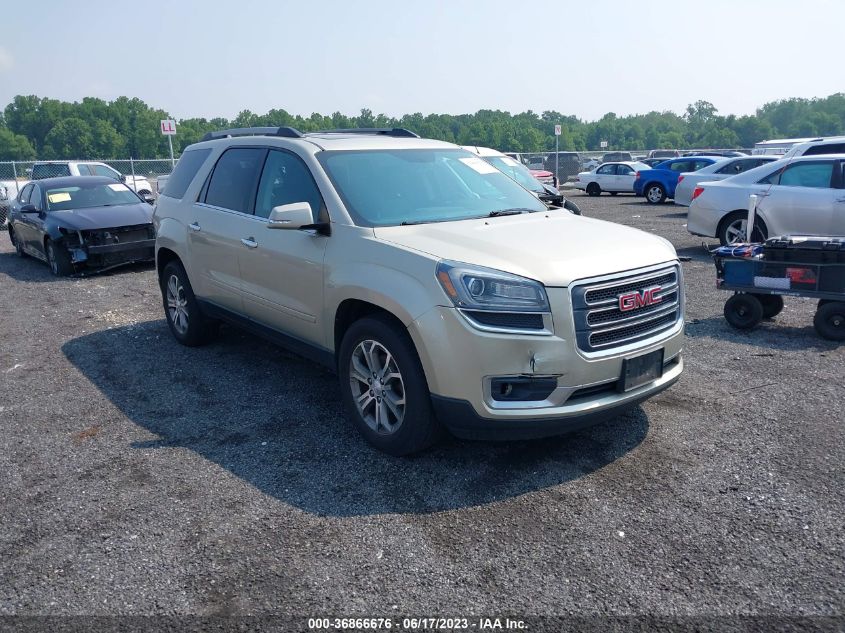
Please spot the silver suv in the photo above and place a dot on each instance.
(443, 293)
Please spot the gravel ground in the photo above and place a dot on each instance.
(141, 477)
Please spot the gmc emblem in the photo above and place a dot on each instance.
(634, 300)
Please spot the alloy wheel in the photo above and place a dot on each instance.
(655, 195)
(177, 304)
(377, 387)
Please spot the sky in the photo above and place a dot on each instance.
(587, 58)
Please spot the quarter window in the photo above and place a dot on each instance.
(187, 167)
(681, 165)
(233, 181)
(816, 175)
(286, 180)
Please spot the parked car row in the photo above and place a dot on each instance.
(796, 195)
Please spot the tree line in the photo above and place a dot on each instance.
(45, 128)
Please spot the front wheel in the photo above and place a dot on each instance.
(830, 320)
(187, 323)
(58, 259)
(384, 388)
(655, 193)
(593, 189)
(743, 311)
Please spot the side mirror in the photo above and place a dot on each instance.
(149, 198)
(29, 208)
(122, 178)
(290, 216)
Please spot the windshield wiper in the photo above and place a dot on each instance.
(514, 211)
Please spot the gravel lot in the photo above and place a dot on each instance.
(141, 477)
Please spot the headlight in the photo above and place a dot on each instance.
(476, 288)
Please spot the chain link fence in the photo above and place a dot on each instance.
(146, 177)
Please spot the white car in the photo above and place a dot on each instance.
(727, 168)
(617, 177)
(60, 168)
(795, 196)
(831, 145)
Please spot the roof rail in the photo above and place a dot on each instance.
(286, 132)
(381, 131)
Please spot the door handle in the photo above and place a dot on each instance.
(249, 242)
(840, 199)
(194, 226)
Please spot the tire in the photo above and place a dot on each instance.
(772, 305)
(732, 227)
(13, 237)
(743, 311)
(593, 189)
(401, 420)
(58, 259)
(571, 207)
(830, 321)
(655, 193)
(186, 321)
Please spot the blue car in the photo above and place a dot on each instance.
(659, 183)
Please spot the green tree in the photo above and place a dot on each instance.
(70, 138)
(15, 146)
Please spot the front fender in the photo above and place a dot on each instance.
(400, 292)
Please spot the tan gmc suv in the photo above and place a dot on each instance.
(443, 293)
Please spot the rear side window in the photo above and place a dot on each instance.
(606, 169)
(816, 175)
(286, 180)
(233, 181)
(187, 167)
(624, 170)
(49, 170)
(681, 165)
(830, 148)
(699, 164)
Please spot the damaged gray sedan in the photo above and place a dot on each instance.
(82, 223)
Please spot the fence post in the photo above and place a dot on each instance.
(132, 167)
(15, 174)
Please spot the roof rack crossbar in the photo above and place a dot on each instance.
(287, 132)
(382, 131)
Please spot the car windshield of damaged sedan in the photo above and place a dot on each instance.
(517, 171)
(416, 186)
(84, 196)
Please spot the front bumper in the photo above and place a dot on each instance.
(111, 255)
(460, 362)
(462, 420)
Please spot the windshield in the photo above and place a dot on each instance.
(391, 187)
(90, 195)
(519, 172)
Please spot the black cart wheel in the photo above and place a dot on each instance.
(772, 305)
(743, 311)
(830, 321)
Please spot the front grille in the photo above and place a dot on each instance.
(600, 295)
(120, 235)
(602, 324)
(508, 320)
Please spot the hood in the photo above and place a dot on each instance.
(554, 247)
(104, 217)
